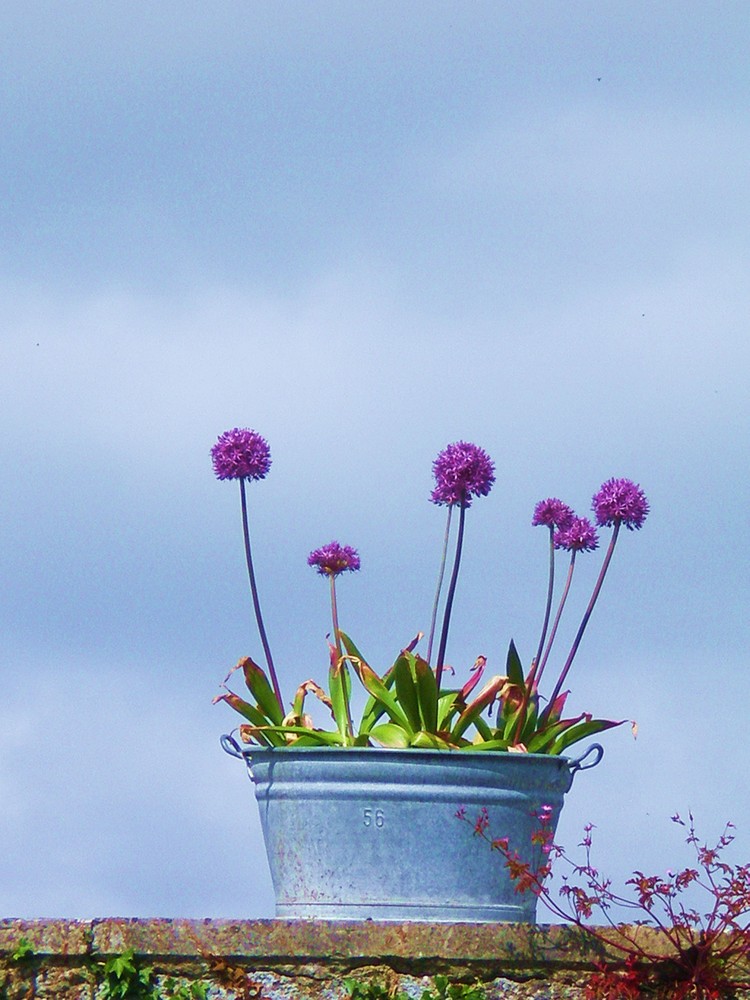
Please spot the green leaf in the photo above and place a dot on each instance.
(340, 686)
(431, 741)
(428, 693)
(350, 647)
(406, 690)
(389, 702)
(495, 744)
(260, 687)
(513, 666)
(319, 737)
(373, 709)
(388, 734)
(23, 949)
(483, 728)
(543, 739)
(448, 704)
(580, 732)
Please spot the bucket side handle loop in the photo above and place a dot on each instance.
(230, 745)
(577, 765)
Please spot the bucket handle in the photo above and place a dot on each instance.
(577, 765)
(230, 745)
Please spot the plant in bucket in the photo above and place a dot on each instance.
(358, 816)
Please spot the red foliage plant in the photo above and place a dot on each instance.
(710, 944)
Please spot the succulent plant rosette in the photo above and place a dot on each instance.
(421, 700)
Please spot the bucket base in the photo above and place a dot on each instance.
(401, 913)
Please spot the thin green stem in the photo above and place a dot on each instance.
(256, 601)
(441, 574)
(586, 615)
(340, 663)
(550, 590)
(335, 614)
(449, 598)
(558, 616)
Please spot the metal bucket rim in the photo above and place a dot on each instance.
(575, 764)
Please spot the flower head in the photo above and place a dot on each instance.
(461, 471)
(333, 559)
(241, 454)
(620, 501)
(552, 512)
(579, 535)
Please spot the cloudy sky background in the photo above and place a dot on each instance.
(365, 230)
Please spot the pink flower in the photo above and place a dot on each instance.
(553, 513)
(462, 470)
(333, 559)
(579, 535)
(241, 454)
(620, 501)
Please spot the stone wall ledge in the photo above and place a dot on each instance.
(345, 943)
(303, 960)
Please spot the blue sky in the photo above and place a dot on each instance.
(365, 230)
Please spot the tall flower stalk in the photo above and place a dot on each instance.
(331, 560)
(438, 589)
(462, 471)
(244, 454)
(554, 514)
(618, 502)
(578, 536)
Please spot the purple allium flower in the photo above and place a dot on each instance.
(333, 559)
(620, 501)
(579, 535)
(462, 470)
(552, 512)
(241, 454)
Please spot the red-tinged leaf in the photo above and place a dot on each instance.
(410, 648)
(487, 695)
(427, 691)
(250, 712)
(333, 655)
(388, 734)
(294, 719)
(513, 723)
(310, 687)
(260, 688)
(256, 734)
(477, 671)
(553, 712)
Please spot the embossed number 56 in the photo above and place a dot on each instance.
(374, 817)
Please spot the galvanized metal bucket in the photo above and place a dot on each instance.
(373, 833)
